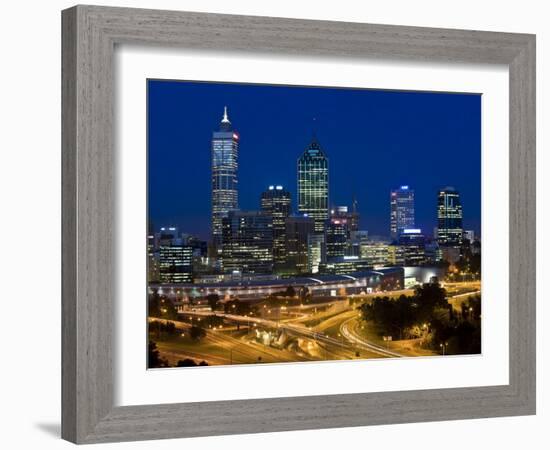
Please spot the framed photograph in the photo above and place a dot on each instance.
(278, 224)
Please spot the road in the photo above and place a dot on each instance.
(295, 330)
(325, 324)
(359, 341)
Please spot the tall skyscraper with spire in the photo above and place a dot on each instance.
(225, 164)
(313, 184)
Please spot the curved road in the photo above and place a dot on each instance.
(367, 345)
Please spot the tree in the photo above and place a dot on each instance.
(197, 333)
(213, 300)
(160, 306)
(237, 307)
(429, 297)
(154, 359)
(159, 327)
(290, 292)
(187, 362)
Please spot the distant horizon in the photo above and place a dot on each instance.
(375, 141)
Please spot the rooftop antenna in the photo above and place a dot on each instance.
(225, 118)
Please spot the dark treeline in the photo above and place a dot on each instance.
(427, 314)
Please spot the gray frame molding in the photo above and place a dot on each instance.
(89, 36)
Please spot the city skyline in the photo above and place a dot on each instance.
(374, 209)
(269, 255)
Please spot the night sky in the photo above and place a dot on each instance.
(375, 141)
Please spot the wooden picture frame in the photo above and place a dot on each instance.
(90, 34)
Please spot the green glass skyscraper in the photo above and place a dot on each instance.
(313, 184)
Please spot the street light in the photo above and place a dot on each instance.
(443, 346)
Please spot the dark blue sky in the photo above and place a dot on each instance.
(375, 141)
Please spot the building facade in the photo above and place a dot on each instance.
(337, 238)
(401, 210)
(313, 184)
(298, 230)
(413, 245)
(175, 259)
(276, 201)
(247, 242)
(224, 170)
(449, 218)
(316, 251)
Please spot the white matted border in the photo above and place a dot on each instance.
(135, 385)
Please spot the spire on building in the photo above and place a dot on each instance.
(225, 124)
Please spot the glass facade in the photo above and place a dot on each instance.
(298, 230)
(225, 194)
(313, 185)
(449, 218)
(247, 238)
(175, 263)
(337, 238)
(316, 254)
(276, 201)
(401, 210)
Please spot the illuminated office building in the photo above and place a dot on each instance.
(401, 210)
(152, 254)
(413, 246)
(337, 233)
(175, 259)
(225, 195)
(316, 251)
(449, 218)
(247, 238)
(469, 235)
(276, 201)
(313, 184)
(298, 230)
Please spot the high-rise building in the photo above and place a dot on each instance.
(225, 195)
(354, 217)
(298, 230)
(316, 251)
(337, 233)
(175, 259)
(276, 201)
(413, 245)
(247, 242)
(449, 218)
(313, 184)
(469, 235)
(401, 210)
(152, 254)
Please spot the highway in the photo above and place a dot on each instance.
(317, 329)
(351, 336)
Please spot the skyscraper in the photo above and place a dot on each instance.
(247, 242)
(449, 218)
(413, 246)
(354, 222)
(401, 210)
(225, 195)
(276, 202)
(298, 230)
(313, 184)
(338, 232)
(175, 260)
